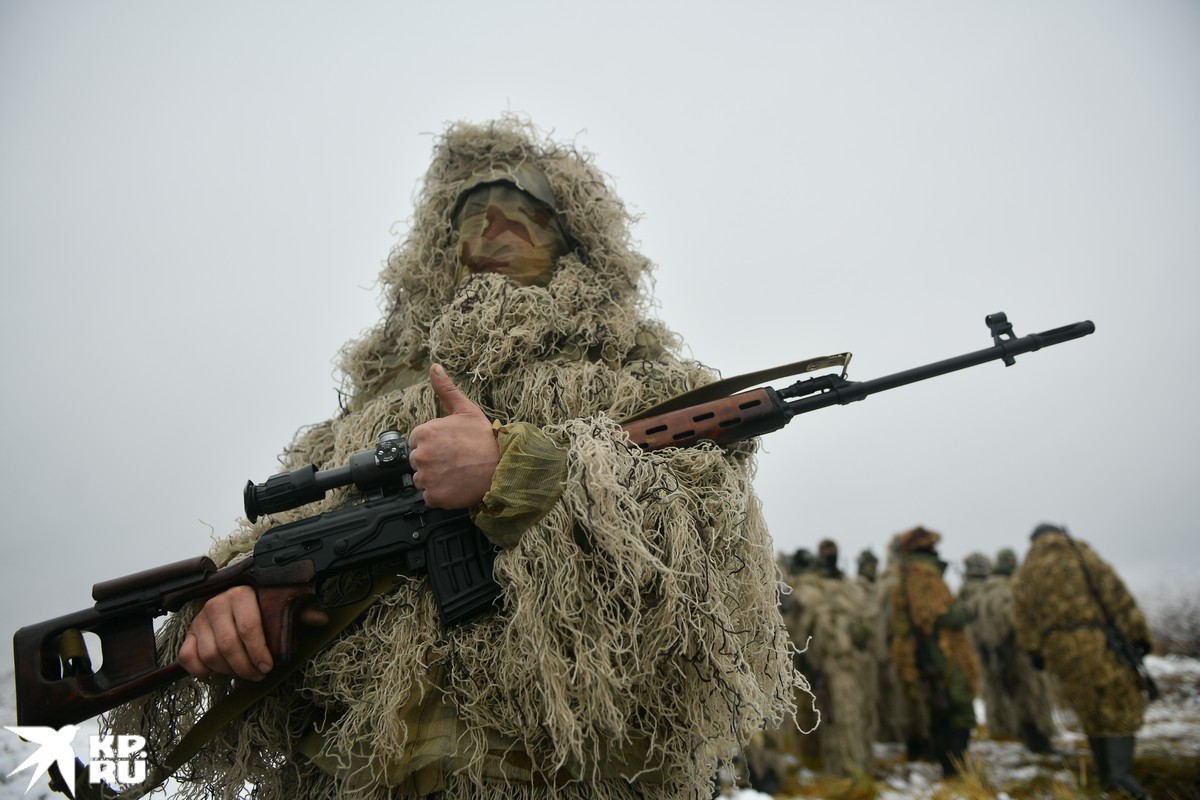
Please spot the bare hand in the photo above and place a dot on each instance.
(453, 457)
(227, 637)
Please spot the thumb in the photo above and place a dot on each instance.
(451, 396)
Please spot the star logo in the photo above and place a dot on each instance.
(55, 747)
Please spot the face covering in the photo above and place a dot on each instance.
(502, 229)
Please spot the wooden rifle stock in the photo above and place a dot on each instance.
(725, 421)
(56, 683)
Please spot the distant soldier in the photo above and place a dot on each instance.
(899, 720)
(1074, 615)
(930, 648)
(868, 567)
(836, 617)
(977, 568)
(1017, 696)
(775, 753)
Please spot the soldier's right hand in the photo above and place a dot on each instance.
(227, 637)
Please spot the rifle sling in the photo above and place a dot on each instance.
(728, 386)
(1144, 679)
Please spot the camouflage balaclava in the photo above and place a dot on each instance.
(505, 230)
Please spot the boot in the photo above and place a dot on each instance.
(1119, 750)
(951, 749)
(766, 781)
(940, 739)
(1036, 741)
(919, 748)
(957, 741)
(1101, 757)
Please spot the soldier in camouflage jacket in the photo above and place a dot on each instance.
(1069, 607)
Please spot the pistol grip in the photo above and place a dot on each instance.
(280, 607)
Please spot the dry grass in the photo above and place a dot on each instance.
(1164, 779)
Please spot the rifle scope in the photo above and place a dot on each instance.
(384, 466)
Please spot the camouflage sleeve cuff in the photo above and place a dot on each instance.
(527, 484)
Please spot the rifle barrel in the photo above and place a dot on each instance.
(844, 392)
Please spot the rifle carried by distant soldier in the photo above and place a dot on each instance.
(388, 522)
(1126, 653)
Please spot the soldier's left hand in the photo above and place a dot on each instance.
(453, 457)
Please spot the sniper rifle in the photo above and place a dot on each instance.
(387, 522)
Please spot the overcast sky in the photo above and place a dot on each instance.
(196, 199)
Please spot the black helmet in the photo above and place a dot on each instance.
(1047, 527)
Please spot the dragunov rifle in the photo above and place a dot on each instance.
(388, 521)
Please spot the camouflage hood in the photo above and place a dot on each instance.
(595, 304)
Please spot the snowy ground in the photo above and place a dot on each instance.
(1172, 730)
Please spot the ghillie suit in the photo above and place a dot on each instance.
(899, 719)
(1058, 593)
(776, 753)
(1016, 696)
(930, 647)
(836, 618)
(638, 639)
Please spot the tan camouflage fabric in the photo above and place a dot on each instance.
(1057, 616)
(639, 639)
(1017, 698)
(921, 601)
(897, 721)
(836, 619)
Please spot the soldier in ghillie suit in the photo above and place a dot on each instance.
(638, 638)
(774, 753)
(930, 648)
(1074, 615)
(899, 720)
(836, 619)
(1017, 696)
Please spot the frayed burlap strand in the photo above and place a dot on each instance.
(639, 640)
(835, 616)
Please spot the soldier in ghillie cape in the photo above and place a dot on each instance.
(1074, 617)
(930, 647)
(637, 640)
(897, 722)
(835, 618)
(1017, 697)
